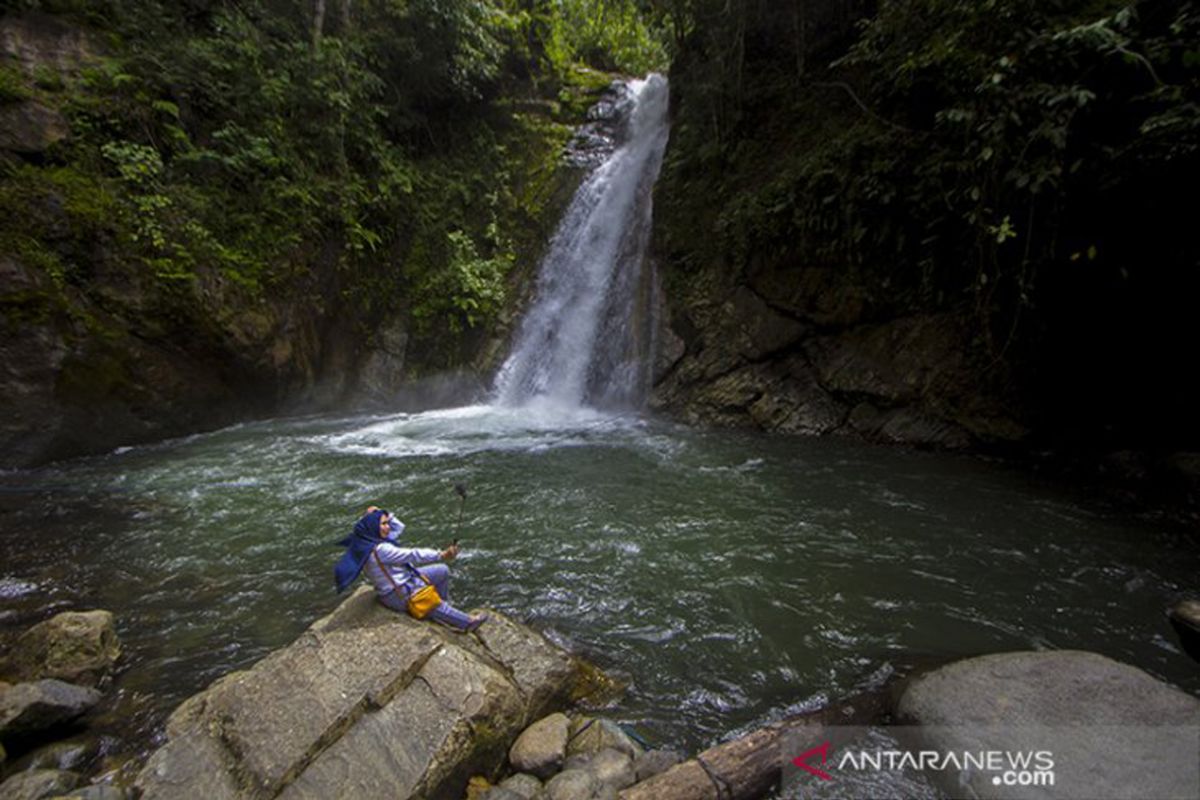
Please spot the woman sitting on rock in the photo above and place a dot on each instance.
(394, 570)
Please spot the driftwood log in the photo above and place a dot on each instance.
(749, 767)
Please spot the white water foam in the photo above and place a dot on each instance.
(588, 336)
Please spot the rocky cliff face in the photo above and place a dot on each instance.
(799, 349)
(772, 318)
(833, 263)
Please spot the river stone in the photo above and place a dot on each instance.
(38, 784)
(522, 784)
(590, 735)
(68, 755)
(97, 791)
(576, 761)
(367, 703)
(1104, 722)
(41, 705)
(654, 762)
(612, 767)
(578, 784)
(75, 646)
(500, 793)
(541, 748)
(1185, 619)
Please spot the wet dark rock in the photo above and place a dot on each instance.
(39, 784)
(907, 426)
(801, 356)
(42, 705)
(541, 748)
(1184, 470)
(73, 755)
(74, 646)
(604, 131)
(383, 369)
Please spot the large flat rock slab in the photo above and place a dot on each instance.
(1110, 729)
(367, 703)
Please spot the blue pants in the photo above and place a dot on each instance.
(439, 576)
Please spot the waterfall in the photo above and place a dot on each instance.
(587, 338)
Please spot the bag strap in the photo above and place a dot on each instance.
(388, 575)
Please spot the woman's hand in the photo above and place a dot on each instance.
(450, 553)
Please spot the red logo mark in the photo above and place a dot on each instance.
(801, 761)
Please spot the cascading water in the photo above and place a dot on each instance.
(588, 336)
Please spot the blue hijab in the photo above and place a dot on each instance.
(359, 545)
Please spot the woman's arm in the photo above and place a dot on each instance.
(394, 555)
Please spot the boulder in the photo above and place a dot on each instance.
(367, 703)
(500, 793)
(523, 785)
(1102, 723)
(73, 755)
(578, 784)
(654, 762)
(541, 748)
(612, 767)
(577, 761)
(97, 791)
(907, 426)
(41, 705)
(590, 735)
(75, 646)
(38, 784)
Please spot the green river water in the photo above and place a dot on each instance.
(732, 578)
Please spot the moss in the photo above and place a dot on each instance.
(33, 200)
(582, 87)
(26, 308)
(101, 374)
(504, 188)
(593, 686)
(48, 79)
(13, 88)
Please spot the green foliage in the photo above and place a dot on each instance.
(949, 154)
(226, 153)
(469, 289)
(12, 85)
(614, 35)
